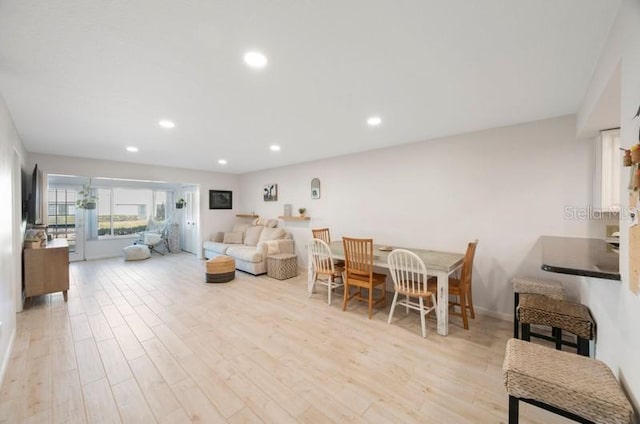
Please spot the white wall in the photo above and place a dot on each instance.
(211, 221)
(504, 186)
(616, 309)
(12, 157)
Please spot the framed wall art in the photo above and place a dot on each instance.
(315, 188)
(270, 192)
(220, 199)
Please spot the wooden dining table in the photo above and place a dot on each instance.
(439, 264)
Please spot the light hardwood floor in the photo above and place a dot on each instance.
(144, 342)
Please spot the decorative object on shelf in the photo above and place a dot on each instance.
(635, 153)
(180, 203)
(220, 199)
(287, 209)
(35, 238)
(270, 192)
(302, 211)
(626, 160)
(87, 200)
(315, 188)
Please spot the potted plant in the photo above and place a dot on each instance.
(87, 199)
(302, 211)
(180, 203)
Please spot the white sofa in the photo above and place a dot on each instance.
(249, 245)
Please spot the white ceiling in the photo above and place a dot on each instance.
(88, 78)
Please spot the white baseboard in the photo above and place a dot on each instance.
(493, 314)
(7, 356)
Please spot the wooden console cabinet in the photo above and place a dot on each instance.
(46, 270)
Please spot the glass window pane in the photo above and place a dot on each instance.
(131, 210)
(160, 206)
(61, 215)
(104, 212)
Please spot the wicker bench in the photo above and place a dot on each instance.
(560, 315)
(531, 285)
(582, 389)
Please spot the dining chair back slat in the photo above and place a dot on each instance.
(359, 273)
(358, 256)
(410, 278)
(408, 272)
(322, 234)
(461, 287)
(321, 257)
(467, 264)
(324, 270)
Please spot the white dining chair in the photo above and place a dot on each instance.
(409, 276)
(323, 269)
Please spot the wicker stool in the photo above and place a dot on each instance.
(282, 266)
(221, 269)
(559, 315)
(581, 389)
(550, 288)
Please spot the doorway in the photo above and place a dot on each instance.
(65, 220)
(190, 219)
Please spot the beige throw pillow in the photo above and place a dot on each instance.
(233, 238)
(271, 223)
(273, 247)
(252, 235)
(272, 234)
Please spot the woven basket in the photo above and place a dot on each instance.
(221, 269)
(282, 266)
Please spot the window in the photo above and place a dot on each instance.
(608, 190)
(126, 211)
(61, 215)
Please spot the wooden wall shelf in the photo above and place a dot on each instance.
(294, 218)
(247, 215)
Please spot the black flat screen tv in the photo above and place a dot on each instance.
(34, 216)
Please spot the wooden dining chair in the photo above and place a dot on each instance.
(322, 234)
(410, 280)
(461, 287)
(359, 273)
(325, 272)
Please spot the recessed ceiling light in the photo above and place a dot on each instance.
(222, 161)
(255, 59)
(275, 148)
(166, 124)
(132, 149)
(374, 121)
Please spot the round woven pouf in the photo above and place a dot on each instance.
(221, 269)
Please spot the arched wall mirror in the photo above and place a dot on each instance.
(315, 188)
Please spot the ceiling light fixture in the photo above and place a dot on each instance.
(275, 148)
(166, 124)
(255, 59)
(132, 149)
(374, 121)
(222, 161)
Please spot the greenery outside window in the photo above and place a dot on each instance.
(125, 212)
